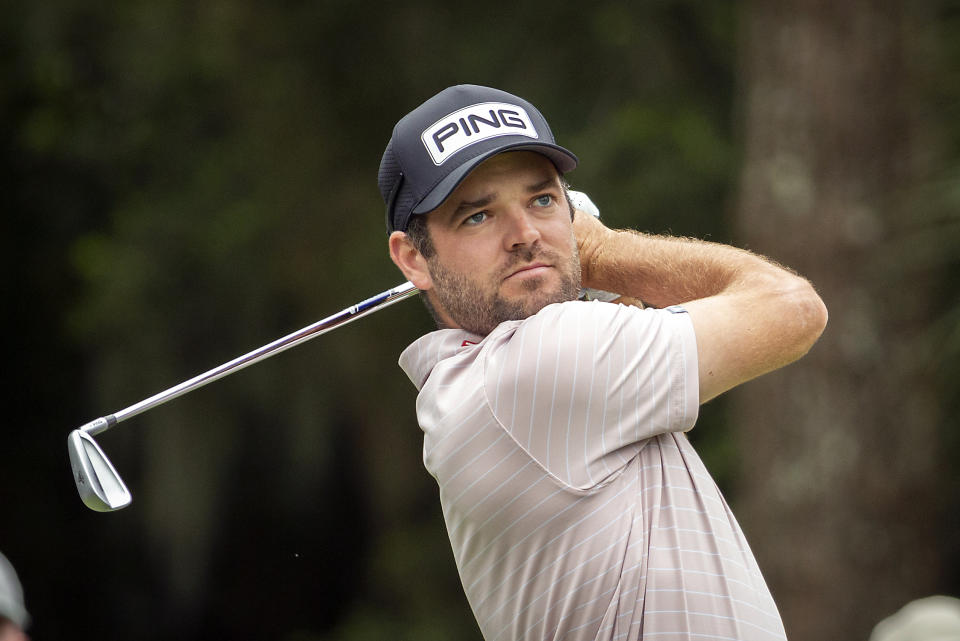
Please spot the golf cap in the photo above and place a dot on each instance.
(436, 145)
(11, 595)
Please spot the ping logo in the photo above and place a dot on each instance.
(472, 124)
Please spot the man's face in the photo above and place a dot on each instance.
(504, 244)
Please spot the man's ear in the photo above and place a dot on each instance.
(410, 261)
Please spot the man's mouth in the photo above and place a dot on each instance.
(529, 271)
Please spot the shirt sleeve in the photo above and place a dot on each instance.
(583, 385)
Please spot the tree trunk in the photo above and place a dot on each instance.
(838, 451)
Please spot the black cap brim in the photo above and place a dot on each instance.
(562, 159)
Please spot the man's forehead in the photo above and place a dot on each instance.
(531, 168)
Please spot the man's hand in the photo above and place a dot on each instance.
(585, 208)
(591, 235)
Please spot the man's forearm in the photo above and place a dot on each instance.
(750, 315)
(664, 271)
(667, 270)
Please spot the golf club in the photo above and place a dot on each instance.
(98, 482)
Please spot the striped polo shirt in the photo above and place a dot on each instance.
(575, 505)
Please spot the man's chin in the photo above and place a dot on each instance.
(536, 298)
(479, 312)
(482, 318)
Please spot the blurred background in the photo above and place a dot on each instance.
(183, 182)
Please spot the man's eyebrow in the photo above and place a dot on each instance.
(469, 205)
(480, 203)
(549, 182)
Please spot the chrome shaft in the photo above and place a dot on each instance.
(349, 314)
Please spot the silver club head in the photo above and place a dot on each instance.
(98, 483)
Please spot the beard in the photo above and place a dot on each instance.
(478, 308)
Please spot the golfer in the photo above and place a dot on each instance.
(555, 428)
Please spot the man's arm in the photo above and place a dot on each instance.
(750, 315)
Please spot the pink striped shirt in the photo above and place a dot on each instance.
(575, 506)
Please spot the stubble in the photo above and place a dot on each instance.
(479, 308)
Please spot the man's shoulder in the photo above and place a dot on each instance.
(579, 312)
(557, 329)
(579, 331)
(558, 326)
(420, 357)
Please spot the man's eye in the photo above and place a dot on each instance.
(475, 219)
(544, 201)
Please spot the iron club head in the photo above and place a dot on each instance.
(98, 483)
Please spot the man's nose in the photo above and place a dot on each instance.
(521, 229)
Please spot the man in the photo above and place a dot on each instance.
(13, 614)
(575, 505)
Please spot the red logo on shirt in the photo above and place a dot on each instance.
(465, 343)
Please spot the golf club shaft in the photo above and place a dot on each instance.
(349, 314)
